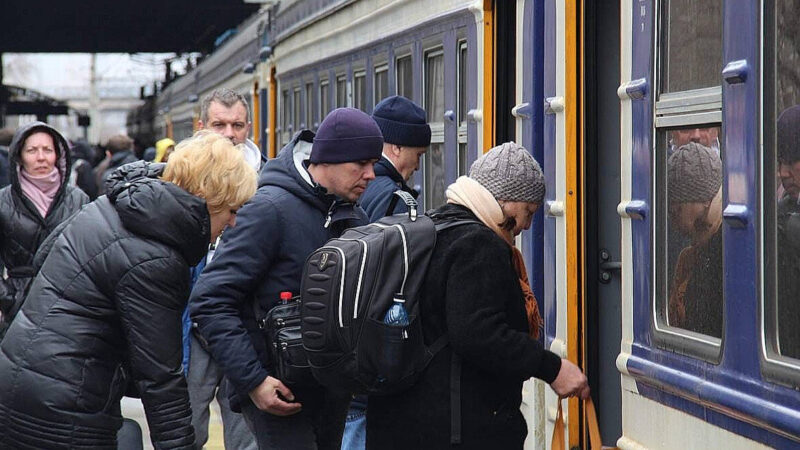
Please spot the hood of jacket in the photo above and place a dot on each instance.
(64, 162)
(288, 172)
(160, 210)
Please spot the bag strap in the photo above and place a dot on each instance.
(408, 199)
(595, 441)
(453, 223)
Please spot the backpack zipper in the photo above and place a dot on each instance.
(360, 281)
(405, 251)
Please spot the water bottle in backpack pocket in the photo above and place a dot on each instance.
(281, 329)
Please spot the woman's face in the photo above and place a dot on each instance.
(521, 212)
(38, 154)
(222, 220)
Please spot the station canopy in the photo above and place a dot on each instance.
(111, 26)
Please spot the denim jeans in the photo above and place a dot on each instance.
(355, 427)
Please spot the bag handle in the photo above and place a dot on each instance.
(408, 199)
(596, 443)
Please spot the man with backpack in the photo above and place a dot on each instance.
(306, 196)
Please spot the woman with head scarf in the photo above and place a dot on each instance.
(477, 293)
(104, 312)
(37, 200)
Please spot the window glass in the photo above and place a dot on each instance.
(285, 110)
(689, 165)
(360, 91)
(324, 103)
(434, 176)
(462, 159)
(296, 110)
(692, 51)
(309, 105)
(341, 91)
(405, 74)
(434, 86)
(462, 82)
(381, 84)
(787, 181)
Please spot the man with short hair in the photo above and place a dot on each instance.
(306, 196)
(406, 137)
(225, 111)
(119, 151)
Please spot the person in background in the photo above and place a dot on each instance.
(226, 112)
(103, 313)
(306, 196)
(163, 148)
(6, 135)
(38, 199)
(82, 174)
(477, 293)
(119, 151)
(694, 182)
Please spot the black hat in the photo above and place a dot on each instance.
(346, 135)
(402, 122)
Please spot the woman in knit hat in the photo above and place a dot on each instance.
(477, 293)
(694, 180)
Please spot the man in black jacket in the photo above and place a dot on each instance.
(406, 137)
(301, 202)
(119, 151)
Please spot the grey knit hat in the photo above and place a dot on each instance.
(694, 174)
(510, 173)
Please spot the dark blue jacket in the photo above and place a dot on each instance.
(262, 256)
(376, 198)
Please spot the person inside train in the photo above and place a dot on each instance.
(694, 182)
(707, 136)
(788, 227)
(225, 112)
(119, 151)
(103, 313)
(406, 137)
(477, 292)
(306, 196)
(38, 199)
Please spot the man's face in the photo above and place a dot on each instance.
(229, 122)
(790, 177)
(349, 180)
(704, 136)
(408, 160)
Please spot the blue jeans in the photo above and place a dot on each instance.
(355, 426)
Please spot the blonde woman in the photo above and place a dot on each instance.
(103, 313)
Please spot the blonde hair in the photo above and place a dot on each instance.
(209, 166)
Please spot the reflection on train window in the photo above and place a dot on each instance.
(462, 82)
(381, 83)
(462, 159)
(434, 86)
(692, 55)
(434, 176)
(360, 91)
(787, 167)
(324, 102)
(341, 91)
(693, 231)
(296, 110)
(309, 108)
(405, 77)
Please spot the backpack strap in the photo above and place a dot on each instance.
(408, 199)
(454, 223)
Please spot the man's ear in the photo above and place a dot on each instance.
(396, 150)
(200, 124)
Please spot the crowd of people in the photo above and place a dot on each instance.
(140, 293)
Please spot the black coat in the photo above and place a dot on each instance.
(471, 293)
(378, 196)
(103, 314)
(23, 227)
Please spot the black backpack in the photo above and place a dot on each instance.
(347, 287)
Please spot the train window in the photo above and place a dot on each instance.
(405, 77)
(691, 222)
(324, 102)
(341, 91)
(309, 107)
(381, 83)
(360, 90)
(296, 110)
(691, 54)
(286, 114)
(434, 170)
(782, 183)
(462, 159)
(462, 108)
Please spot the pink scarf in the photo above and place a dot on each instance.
(40, 190)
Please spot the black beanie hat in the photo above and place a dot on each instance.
(694, 174)
(402, 122)
(346, 135)
(789, 135)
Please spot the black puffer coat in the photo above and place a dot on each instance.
(103, 313)
(471, 293)
(22, 226)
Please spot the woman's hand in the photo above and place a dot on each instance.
(570, 381)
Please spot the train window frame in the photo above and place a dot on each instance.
(360, 89)
(382, 69)
(674, 110)
(403, 56)
(775, 367)
(324, 100)
(437, 126)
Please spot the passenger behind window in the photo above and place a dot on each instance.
(694, 177)
(708, 136)
(788, 238)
